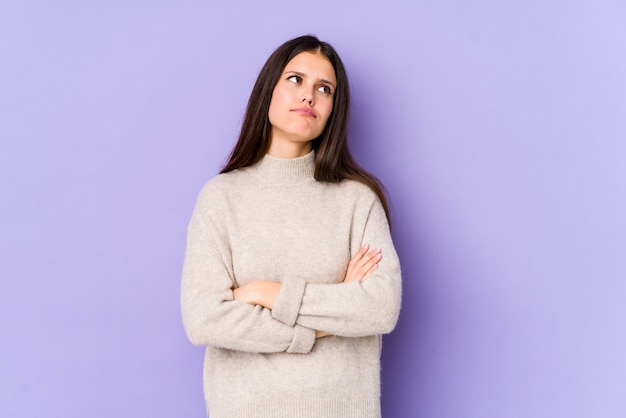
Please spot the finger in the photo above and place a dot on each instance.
(367, 267)
(363, 249)
(354, 262)
(366, 264)
(359, 254)
(370, 255)
(371, 270)
(362, 264)
(367, 259)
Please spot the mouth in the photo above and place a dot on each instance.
(304, 112)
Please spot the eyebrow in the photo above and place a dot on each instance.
(298, 73)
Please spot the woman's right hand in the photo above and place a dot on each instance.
(362, 264)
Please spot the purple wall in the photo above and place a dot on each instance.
(499, 131)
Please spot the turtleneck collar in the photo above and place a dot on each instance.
(286, 170)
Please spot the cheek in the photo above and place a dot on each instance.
(327, 110)
(273, 110)
(279, 101)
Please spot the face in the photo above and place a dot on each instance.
(301, 103)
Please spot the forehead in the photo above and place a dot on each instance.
(312, 64)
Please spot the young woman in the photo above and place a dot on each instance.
(290, 275)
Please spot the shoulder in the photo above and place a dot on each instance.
(223, 183)
(367, 206)
(217, 192)
(358, 191)
(352, 198)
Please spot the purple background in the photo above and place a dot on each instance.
(499, 129)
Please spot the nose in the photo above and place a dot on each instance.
(308, 96)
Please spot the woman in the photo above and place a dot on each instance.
(290, 275)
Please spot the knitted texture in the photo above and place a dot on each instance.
(273, 221)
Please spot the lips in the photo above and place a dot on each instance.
(304, 112)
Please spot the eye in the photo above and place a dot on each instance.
(295, 79)
(324, 89)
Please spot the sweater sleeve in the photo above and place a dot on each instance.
(352, 309)
(210, 315)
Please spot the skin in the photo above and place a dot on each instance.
(301, 104)
(265, 293)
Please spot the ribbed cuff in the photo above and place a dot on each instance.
(303, 340)
(287, 407)
(287, 305)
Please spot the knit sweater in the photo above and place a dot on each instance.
(273, 221)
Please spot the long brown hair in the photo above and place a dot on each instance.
(333, 161)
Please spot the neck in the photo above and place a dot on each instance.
(289, 149)
(284, 171)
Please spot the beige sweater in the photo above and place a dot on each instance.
(273, 221)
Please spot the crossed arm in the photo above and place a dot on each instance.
(265, 293)
(270, 317)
